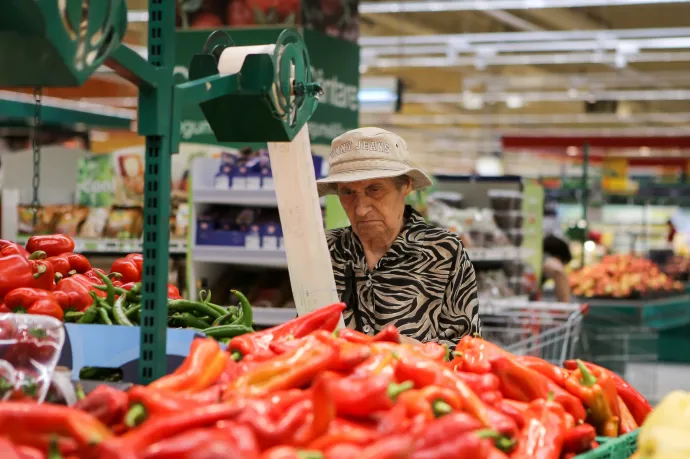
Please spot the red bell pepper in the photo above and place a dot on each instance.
(480, 383)
(393, 447)
(130, 267)
(361, 395)
(524, 384)
(105, 403)
(18, 271)
(287, 371)
(598, 392)
(197, 443)
(73, 293)
(17, 418)
(477, 354)
(21, 299)
(388, 334)
(242, 436)
(430, 402)
(92, 275)
(69, 263)
(8, 450)
(502, 423)
(258, 343)
(514, 409)
(433, 351)
(544, 432)
(424, 372)
(636, 403)
(473, 443)
(173, 292)
(203, 367)
(578, 439)
(553, 372)
(324, 411)
(51, 244)
(628, 423)
(8, 248)
(342, 431)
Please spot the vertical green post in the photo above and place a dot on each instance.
(585, 194)
(155, 108)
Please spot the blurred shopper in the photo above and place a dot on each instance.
(390, 266)
(556, 257)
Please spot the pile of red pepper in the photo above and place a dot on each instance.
(47, 278)
(301, 390)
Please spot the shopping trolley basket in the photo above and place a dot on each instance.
(541, 329)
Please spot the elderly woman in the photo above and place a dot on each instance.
(390, 266)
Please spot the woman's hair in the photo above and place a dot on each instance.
(557, 248)
(400, 181)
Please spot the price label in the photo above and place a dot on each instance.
(270, 243)
(252, 242)
(239, 183)
(253, 183)
(268, 183)
(222, 182)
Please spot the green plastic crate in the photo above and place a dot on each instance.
(617, 448)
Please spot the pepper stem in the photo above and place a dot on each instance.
(488, 433)
(72, 272)
(38, 255)
(236, 356)
(40, 270)
(441, 408)
(58, 277)
(448, 354)
(551, 397)
(116, 276)
(79, 392)
(54, 449)
(308, 454)
(588, 379)
(394, 390)
(136, 415)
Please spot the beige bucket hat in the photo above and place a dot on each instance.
(369, 153)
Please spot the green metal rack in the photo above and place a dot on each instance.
(52, 43)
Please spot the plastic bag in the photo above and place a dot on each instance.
(30, 347)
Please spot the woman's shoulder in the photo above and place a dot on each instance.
(427, 234)
(337, 236)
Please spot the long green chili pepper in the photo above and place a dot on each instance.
(132, 312)
(193, 306)
(247, 313)
(73, 316)
(104, 316)
(227, 331)
(119, 312)
(205, 297)
(89, 316)
(110, 288)
(188, 320)
(225, 318)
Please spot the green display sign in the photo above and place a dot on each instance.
(95, 181)
(533, 227)
(335, 64)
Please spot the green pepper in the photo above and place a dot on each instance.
(227, 331)
(246, 312)
(89, 316)
(230, 317)
(110, 288)
(73, 316)
(193, 306)
(205, 297)
(188, 320)
(104, 317)
(119, 312)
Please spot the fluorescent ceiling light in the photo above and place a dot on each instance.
(525, 59)
(376, 95)
(489, 5)
(527, 119)
(516, 99)
(545, 35)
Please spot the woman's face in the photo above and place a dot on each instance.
(375, 208)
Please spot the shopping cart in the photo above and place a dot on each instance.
(541, 329)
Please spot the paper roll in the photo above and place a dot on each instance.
(232, 58)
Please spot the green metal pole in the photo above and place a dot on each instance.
(155, 121)
(585, 194)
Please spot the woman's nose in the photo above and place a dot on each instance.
(362, 206)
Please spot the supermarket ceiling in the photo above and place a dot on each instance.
(474, 70)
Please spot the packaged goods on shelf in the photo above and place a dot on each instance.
(622, 276)
(249, 170)
(347, 395)
(240, 227)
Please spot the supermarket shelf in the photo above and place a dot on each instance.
(116, 246)
(258, 198)
(250, 198)
(239, 256)
(273, 316)
(498, 254)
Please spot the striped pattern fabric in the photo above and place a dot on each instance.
(425, 284)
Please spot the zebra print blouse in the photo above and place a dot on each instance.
(424, 285)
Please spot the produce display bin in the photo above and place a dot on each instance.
(617, 448)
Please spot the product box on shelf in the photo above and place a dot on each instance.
(252, 229)
(117, 347)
